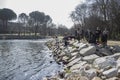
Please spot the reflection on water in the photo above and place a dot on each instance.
(25, 60)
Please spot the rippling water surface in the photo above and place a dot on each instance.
(26, 60)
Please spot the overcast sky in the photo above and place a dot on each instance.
(59, 10)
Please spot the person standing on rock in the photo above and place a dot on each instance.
(87, 35)
(104, 37)
(92, 38)
(97, 34)
(75, 33)
(65, 39)
(78, 34)
(56, 41)
(82, 33)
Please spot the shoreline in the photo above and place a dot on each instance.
(84, 61)
(10, 37)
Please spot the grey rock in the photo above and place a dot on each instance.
(88, 51)
(91, 73)
(116, 56)
(77, 66)
(90, 58)
(111, 72)
(113, 78)
(105, 52)
(96, 78)
(81, 46)
(72, 58)
(118, 63)
(104, 62)
(73, 62)
(74, 54)
(116, 48)
(73, 50)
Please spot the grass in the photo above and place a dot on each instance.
(114, 43)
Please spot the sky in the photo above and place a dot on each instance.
(59, 10)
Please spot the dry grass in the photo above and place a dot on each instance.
(114, 43)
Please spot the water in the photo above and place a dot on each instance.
(26, 60)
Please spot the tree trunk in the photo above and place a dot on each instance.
(24, 30)
(36, 30)
(6, 23)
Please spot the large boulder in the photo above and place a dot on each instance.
(73, 50)
(62, 53)
(77, 66)
(90, 58)
(105, 52)
(71, 42)
(116, 48)
(82, 45)
(61, 47)
(76, 44)
(90, 74)
(119, 73)
(113, 78)
(111, 73)
(74, 57)
(75, 76)
(118, 63)
(65, 58)
(88, 51)
(116, 56)
(104, 62)
(74, 62)
(96, 78)
(74, 54)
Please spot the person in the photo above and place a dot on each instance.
(92, 38)
(97, 34)
(82, 33)
(104, 37)
(65, 39)
(87, 35)
(56, 41)
(78, 34)
(75, 33)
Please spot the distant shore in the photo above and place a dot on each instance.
(6, 37)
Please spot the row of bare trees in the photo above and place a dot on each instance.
(36, 23)
(98, 13)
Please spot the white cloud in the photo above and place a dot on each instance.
(59, 10)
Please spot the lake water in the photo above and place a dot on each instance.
(26, 60)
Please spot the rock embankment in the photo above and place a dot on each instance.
(83, 61)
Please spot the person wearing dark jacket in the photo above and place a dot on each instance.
(65, 39)
(78, 34)
(92, 38)
(97, 34)
(104, 37)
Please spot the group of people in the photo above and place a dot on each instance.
(95, 37)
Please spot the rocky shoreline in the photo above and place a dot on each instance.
(84, 61)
